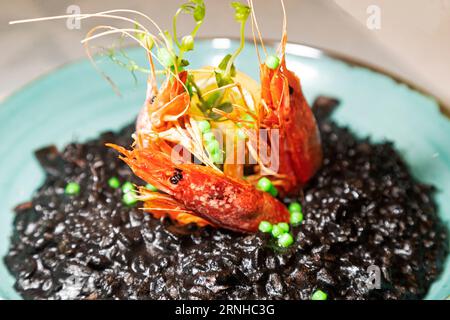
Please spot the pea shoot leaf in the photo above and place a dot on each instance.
(196, 8)
(242, 11)
(221, 78)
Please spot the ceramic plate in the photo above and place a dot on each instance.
(74, 104)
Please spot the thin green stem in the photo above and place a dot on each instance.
(197, 26)
(174, 26)
(238, 51)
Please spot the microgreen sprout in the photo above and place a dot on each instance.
(145, 38)
(226, 69)
(242, 12)
(197, 9)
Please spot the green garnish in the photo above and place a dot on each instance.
(273, 191)
(272, 62)
(285, 240)
(127, 187)
(144, 37)
(204, 126)
(319, 295)
(296, 218)
(113, 182)
(284, 226)
(265, 226)
(223, 74)
(120, 58)
(72, 188)
(213, 147)
(187, 43)
(242, 11)
(216, 157)
(209, 136)
(151, 187)
(197, 9)
(277, 231)
(226, 69)
(264, 184)
(165, 57)
(129, 198)
(295, 207)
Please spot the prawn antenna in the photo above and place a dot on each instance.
(282, 48)
(255, 26)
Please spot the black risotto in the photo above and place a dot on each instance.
(362, 209)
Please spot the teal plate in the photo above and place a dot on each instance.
(74, 104)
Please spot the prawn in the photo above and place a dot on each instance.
(284, 107)
(192, 190)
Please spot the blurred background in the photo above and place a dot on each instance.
(408, 38)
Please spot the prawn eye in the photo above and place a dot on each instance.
(177, 176)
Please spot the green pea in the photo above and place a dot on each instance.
(127, 187)
(114, 183)
(284, 226)
(216, 156)
(273, 191)
(272, 62)
(264, 184)
(213, 146)
(319, 295)
(295, 207)
(204, 126)
(296, 218)
(209, 136)
(72, 188)
(265, 226)
(285, 240)
(277, 231)
(129, 199)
